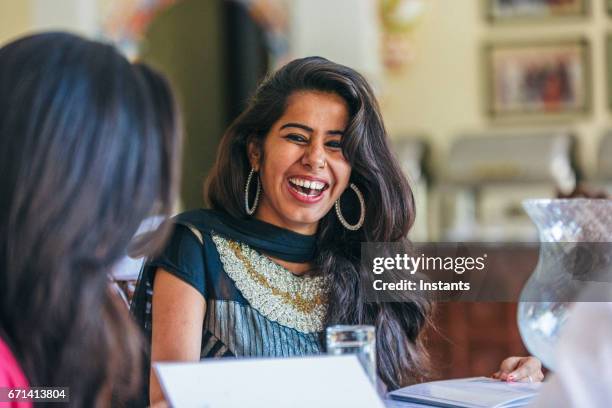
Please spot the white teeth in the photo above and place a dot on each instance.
(316, 185)
(309, 195)
(297, 182)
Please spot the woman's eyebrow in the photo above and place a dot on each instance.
(309, 129)
(297, 125)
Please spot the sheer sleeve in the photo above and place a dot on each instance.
(183, 257)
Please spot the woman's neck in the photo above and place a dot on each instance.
(296, 268)
(263, 214)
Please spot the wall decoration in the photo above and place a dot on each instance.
(499, 10)
(538, 78)
(399, 19)
(125, 23)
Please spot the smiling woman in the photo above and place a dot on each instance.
(308, 172)
(303, 176)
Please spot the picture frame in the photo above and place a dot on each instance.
(525, 10)
(538, 79)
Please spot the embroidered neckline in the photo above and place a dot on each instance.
(298, 302)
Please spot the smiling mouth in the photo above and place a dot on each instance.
(307, 188)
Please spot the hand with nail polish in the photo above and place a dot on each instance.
(525, 369)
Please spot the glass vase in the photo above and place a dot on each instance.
(574, 259)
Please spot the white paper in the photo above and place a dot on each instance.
(321, 381)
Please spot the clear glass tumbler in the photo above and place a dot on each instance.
(359, 340)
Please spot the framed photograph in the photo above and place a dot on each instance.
(548, 79)
(501, 10)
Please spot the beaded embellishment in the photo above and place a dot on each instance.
(298, 302)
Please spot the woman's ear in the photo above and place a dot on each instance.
(254, 153)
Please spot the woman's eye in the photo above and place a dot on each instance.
(296, 138)
(335, 144)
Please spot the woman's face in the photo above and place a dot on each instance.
(302, 168)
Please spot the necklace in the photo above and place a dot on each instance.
(294, 301)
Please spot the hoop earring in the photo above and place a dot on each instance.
(343, 221)
(251, 210)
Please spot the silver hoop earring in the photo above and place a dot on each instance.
(343, 221)
(251, 210)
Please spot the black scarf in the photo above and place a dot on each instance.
(263, 237)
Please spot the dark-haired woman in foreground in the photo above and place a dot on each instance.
(302, 178)
(88, 147)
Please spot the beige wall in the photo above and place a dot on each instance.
(19, 17)
(441, 93)
(15, 18)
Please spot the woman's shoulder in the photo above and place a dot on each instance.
(203, 220)
(191, 253)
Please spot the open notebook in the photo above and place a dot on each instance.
(478, 392)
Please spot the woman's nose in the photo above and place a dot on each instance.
(314, 157)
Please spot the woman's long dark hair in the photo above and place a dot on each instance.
(390, 212)
(85, 157)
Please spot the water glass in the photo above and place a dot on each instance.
(359, 340)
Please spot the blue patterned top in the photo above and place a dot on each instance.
(254, 307)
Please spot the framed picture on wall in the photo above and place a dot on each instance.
(538, 79)
(511, 10)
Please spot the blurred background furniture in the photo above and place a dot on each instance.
(488, 175)
(603, 179)
(472, 339)
(125, 273)
(412, 153)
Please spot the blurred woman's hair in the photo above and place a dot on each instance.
(89, 146)
(390, 212)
